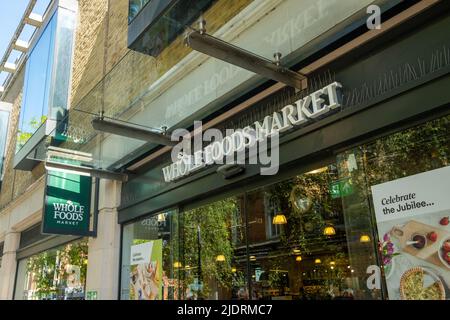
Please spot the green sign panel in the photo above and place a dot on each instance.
(67, 204)
(341, 188)
(91, 295)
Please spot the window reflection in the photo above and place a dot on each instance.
(214, 249)
(296, 245)
(57, 274)
(150, 258)
(47, 75)
(135, 7)
(37, 84)
(304, 254)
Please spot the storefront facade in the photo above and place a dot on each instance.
(313, 230)
(333, 221)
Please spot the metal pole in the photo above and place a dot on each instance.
(199, 254)
(249, 277)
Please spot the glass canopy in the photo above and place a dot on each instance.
(180, 85)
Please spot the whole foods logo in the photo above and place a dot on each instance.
(68, 213)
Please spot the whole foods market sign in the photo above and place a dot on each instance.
(67, 204)
(253, 137)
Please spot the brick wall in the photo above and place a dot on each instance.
(89, 52)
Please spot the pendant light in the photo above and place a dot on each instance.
(220, 258)
(279, 219)
(329, 231)
(364, 238)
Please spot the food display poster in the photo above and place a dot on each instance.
(146, 271)
(412, 215)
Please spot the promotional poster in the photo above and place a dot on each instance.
(412, 219)
(146, 271)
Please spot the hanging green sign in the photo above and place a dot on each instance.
(67, 204)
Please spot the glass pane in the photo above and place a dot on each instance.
(299, 247)
(213, 264)
(387, 161)
(37, 85)
(4, 120)
(150, 249)
(56, 274)
(62, 60)
(135, 7)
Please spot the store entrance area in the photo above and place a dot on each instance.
(282, 241)
(317, 235)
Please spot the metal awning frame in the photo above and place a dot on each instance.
(202, 42)
(86, 171)
(131, 131)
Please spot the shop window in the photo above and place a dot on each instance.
(309, 259)
(46, 83)
(56, 274)
(150, 259)
(402, 171)
(213, 246)
(318, 235)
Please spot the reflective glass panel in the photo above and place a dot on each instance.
(149, 258)
(37, 84)
(56, 274)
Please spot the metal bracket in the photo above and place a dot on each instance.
(98, 173)
(131, 131)
(219, 49)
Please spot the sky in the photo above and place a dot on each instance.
(11, 11)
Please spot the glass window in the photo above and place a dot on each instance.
(47, 75)
(37, 84)
(135, 7)
(149, 259)
(213, 251)
(304, 251)
(316, 235)
(57, 274)
(4, 120)
(166, 26)
(405, 168)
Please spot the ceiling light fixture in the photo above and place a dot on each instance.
(279, 219)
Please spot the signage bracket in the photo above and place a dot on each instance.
(93, 233)
(131, 131)
(86, 171)
(200, 41)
